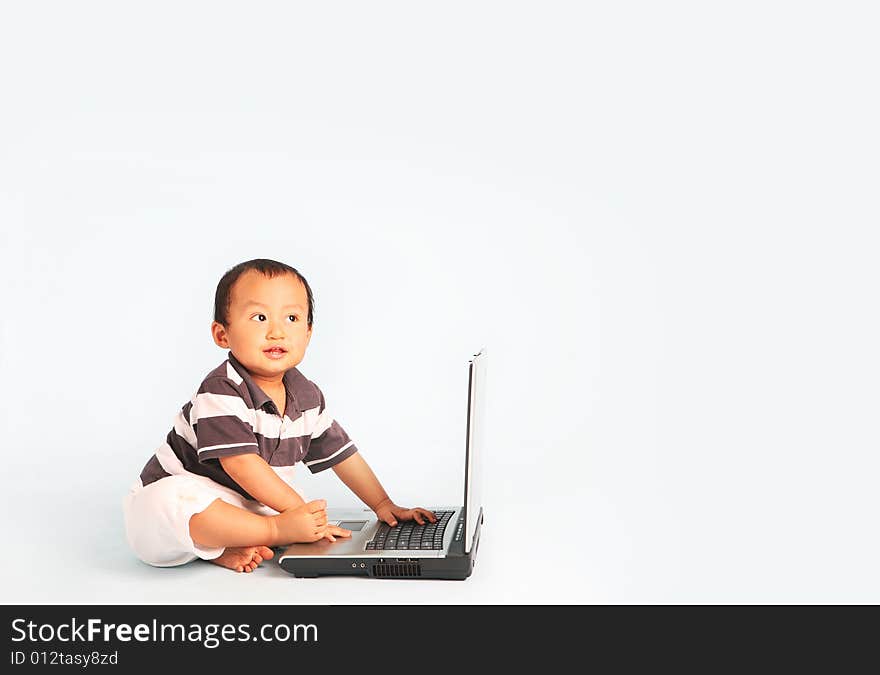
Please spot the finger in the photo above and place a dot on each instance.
(317, 505)
(419, 518)
(329, 535)
(424, 514)
(391, 520)
(339, 531)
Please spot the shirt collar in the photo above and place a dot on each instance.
(260, 397)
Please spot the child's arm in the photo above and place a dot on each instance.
(255, 475)
(359, 477)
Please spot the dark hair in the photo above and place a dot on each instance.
(270, 268)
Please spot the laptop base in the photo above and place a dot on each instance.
(456, 565)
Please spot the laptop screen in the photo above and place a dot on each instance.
(475, 447)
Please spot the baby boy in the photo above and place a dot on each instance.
(220, 487)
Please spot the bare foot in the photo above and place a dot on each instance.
(304, 523)
(243, 558)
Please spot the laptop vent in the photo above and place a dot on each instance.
(410, 569)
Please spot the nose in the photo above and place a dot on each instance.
(275, 329)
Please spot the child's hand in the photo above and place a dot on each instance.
(390, 513)
(302, 523)
(334, 531)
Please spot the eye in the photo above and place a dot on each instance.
(259, 317)
(293, 317)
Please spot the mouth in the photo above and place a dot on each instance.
(275, 352)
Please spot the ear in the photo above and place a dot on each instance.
(218, 332)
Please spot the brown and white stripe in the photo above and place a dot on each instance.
(231, 415)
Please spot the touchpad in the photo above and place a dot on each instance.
(353, 525)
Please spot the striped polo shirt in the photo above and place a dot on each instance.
(231, 415)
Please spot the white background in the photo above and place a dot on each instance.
(659, 218)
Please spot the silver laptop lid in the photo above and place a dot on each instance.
(474, 445)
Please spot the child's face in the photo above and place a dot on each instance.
(268, 329)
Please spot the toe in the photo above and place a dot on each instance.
(265, 552)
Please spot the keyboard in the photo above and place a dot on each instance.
(410, 535)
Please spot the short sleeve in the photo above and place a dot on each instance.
(222, 421)
(329, 444)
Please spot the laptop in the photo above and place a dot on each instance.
(446, 549)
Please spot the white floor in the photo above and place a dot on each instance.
(637, 548)
(86, 561)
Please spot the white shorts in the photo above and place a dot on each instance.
(157, 517)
